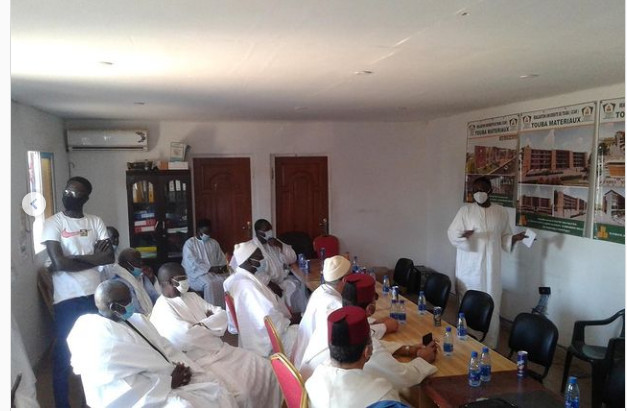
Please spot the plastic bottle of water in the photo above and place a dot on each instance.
(386, 285)
(373, 274)
(462, 333)
(448, 342)
(572, 393)
(474, 371)
(394, 310)
(402, 314)
(322, 253)
(355, 265)
(422, 303)
(486, 365)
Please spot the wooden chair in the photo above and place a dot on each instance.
(290, 381)
(230, 305)
(275, 339)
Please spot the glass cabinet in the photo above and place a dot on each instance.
(159, 214)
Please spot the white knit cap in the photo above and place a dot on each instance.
(335, 268)
(242, 251)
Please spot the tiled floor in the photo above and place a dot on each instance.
(552, 381)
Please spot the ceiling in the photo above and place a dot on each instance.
(207, 60)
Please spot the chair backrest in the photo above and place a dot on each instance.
(275, 340)
(290, 381)
(538, 336)
(330, 243)
(477, 307)
(230, 305)
(437, 288)
(614, 386)
(300, 242)
(402, 271)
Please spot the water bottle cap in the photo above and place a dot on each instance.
(572, 379)
(422, 293)
(402, 301)
(385, 276)
(461, 315)
(448, 329)
(473, 354)
(485, 349)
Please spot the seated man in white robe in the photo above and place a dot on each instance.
(124, 362)
(205, 264)
(343, 382)
(253, 301)
(128, 270)
(194, 326)
(279, 256)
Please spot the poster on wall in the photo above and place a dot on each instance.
(554, 168)
(491, 152)
(609, 204)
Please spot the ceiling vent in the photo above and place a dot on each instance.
(86, 140)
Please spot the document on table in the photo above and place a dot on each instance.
(531, 236)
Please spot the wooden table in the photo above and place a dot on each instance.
(312, 278)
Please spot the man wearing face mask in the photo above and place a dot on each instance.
(253, 301)
(277, 274)
(125, 363)
(77, 245)
(195, 327)
(205, 264)
(129, 271)
(479, 231)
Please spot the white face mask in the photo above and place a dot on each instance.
(480, 197)
(266, 235)
(183, 286)
(263, 265)
(205, 237)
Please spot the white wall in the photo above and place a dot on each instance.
(31, 130)
(587, 277)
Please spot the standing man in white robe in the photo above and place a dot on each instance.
(253, 301)
(194, 326)
(205, 264)
(279, 256)
(124, 362)
(343, 382)
(479, 231)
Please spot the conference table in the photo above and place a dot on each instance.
(452, 373)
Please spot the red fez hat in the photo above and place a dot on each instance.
(348, 326)
(364, 287)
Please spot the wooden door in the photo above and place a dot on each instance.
(222, 194)
(302, 198)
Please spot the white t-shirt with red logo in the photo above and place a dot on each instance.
(77, 237)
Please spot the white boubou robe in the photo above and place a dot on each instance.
(198, 258)
(119, 369)
(184, 322)
(332, 387)
(253, 301)
(478, 265)
(141, 299)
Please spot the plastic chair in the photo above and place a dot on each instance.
(437, 288)
(300, 242)
(290, 381)
(614, 383)
(230, 305)
(275, 340)
(330, 243)
(593, 354)
(538, 336)
(477, 307)
(406, 276)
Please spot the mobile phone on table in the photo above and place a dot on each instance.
(426, 339)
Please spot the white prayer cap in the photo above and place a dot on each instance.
(242, 251)
(335, 268)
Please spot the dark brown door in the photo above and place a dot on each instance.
(302, 199)
(222, 194)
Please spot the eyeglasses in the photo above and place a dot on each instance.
(75, 194)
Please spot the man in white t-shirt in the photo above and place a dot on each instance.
(77, 244)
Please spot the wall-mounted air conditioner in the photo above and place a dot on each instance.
(83, 140)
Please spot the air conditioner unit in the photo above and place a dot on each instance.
(83, 140)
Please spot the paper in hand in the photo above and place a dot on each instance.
(531, 236)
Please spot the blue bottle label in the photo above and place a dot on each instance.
(448, 347)
(486, 372)
(474, 378)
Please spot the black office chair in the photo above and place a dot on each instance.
(437, 288)
(477, 307)
(538, 336)
(406, 276)
(613, 394)
(593, 354)
(300, 242)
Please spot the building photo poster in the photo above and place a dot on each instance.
(554, 168)
(609, 205)
(491, 152)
